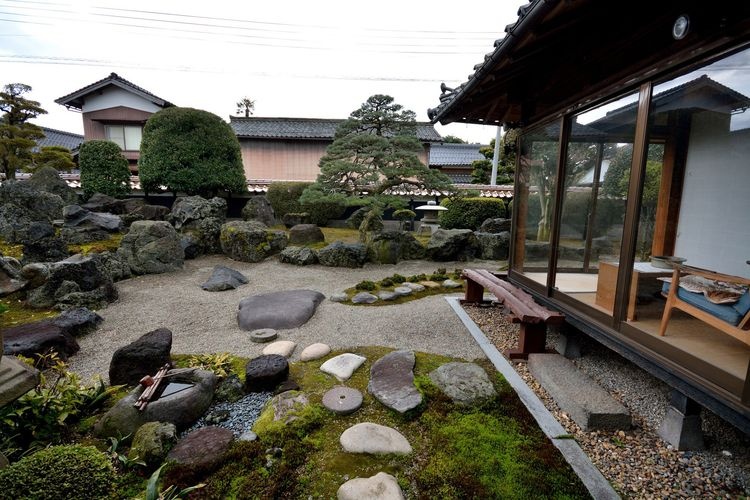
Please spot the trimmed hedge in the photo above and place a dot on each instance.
(469, 213)
(285, 198)
(103, 169)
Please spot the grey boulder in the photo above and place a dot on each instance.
(74, 282)
(260, 209)
(339, 254)
(190, 209)
(278, 310)
(452, 244)
(495, 226)
(224, 278)
(82, 226)
(493, 246)
(202, 449)
(390, 247)
(250, 241)
(392, 381)
(465, 383)
(152, 442)
(152, 247)
(144, 356)
(48, 179)
(10, 276)
(302, 234)
(299, 256)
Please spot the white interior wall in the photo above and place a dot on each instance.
(714, 225)
(112, 97)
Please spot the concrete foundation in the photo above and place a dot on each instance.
(681, 426)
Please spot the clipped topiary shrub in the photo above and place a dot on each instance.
(190, 151)
(103, 169)
(366, 285)
(321, 211)
(70, 471)
(469, 213)
(284, 197)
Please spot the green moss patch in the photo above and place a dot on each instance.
(10, 250)
(388, 284)
(111, 244)
(18, 313)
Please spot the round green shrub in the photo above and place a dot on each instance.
(321, 211)
(469, 213)
(190, 151)
(366, 285)
(284, 197)
(397, 278)
(386, 282)
(103, 169)
(69, 471)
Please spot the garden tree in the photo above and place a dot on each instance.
(245, 105)
(103, 169)
(190, 151)
(482, 169)
(17, 135)
(452, 139)
(375, 151)
(56, 157)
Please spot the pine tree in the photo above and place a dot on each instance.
(17, 135)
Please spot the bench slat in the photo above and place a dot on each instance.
(539, 310)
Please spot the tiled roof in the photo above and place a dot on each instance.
(454, 154)
(53, 137)
(304, 128)
(75, 99)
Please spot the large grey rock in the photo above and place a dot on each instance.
(77, 322)
(35, 274)
(202, 449)
(22, 204)
(152, 442)
(77, 281)
(452, 244)
(375, 439)
(40, 337)
(10, 276)
(152, 247)
(99, 202)
(265, 372)
(145, 212)
(201, 237)
(181, 409)
(339, 254)
(381, 486)
(299, 256)
(390, 247)
(302, 234)
(493, 246)
(114, 264)
(343, 366)
(41, 244)
(495, 226)
(260, 209)
(465, 383)
(224, 278)
(278, 310)
(144, 356)
(250, 241)
(48, 179)
(392, 381)
(82, 226)
(292, 219)
(590, 406)
(194, 208)
(230, 389)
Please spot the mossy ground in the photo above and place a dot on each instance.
(111, 244)
(377, 286)
(10, 250)
(495, 451)
(19, 313)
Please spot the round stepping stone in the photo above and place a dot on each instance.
(375, 439)
(263, 335)
(392, 381)
(282, 348)
(386, 295)
(451, 284)
(402, 290)
(339, 297)
(314, 351)
(415, 287)
(343, 365)
(364, 298)
(265, 372)
(381, 486)
(342, 400)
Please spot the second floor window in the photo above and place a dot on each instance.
(128, 137)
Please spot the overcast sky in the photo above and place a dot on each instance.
(294, 58)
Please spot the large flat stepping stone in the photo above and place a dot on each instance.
(465, 383)
(392, 381)
(265, 372)
(578, 395)
(314, 351)
(381, 486)
(224, 278)
(282, 348)
(374, 439)
(342, 366)
(342, 400)
(278, 310)
(203, 448)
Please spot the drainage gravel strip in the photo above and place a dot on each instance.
(594, 481)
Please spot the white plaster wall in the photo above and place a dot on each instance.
(112, 97)
(714, 225)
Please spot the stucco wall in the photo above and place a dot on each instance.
(112, 96)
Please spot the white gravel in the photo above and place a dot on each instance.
(205, 322)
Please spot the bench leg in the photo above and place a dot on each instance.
(531, 339)
(474, 293)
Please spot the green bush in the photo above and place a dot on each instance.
(284, 197)
(355, 220)
(386, 282)
(366, 285)
(190, 151)
(469, 213)
(321, 211)
(103, 169)
(397, 278)
(70, 471)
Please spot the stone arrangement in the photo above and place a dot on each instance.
(278, 310)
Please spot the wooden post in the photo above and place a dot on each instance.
(532, 339)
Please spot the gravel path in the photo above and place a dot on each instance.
(205, 322)
(636, 461)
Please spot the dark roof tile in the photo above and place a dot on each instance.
(454, 154)
(54, 137)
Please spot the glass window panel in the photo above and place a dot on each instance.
(132, 138)
(116, 134)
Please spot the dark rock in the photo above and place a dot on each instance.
(291, 220)
(35, 274)
(278, 310)
(40, 337)
(495, 226)
(286, 385)
(40, 244)
(77, 322)
(82, 226)
(339, 254)
(452, 244)
(259, 208)
(250, 241)
(392, 381)
(536, 249)
(114, 264)
(305, 233)
(201, 237)
(203, 449)
(217, 417)
(152, 247)
(14, 222)
(194, 208)
(224, 278)
(36, 205)
(152, 442)
(230, 389)
(145, 212)
(493, 246)
(182, 409)
(95, 287)
(299, 256)
(265, 372)
(465, 383)
(103, 203)
(10, 276)
(48, 179)
(144, 356)
(389, 247)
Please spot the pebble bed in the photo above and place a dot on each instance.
(636, 461)
(242, 413)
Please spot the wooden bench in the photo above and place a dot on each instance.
(533, 318)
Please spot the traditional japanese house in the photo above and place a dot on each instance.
(635, 145)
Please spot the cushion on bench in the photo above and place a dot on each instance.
(731, 313)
